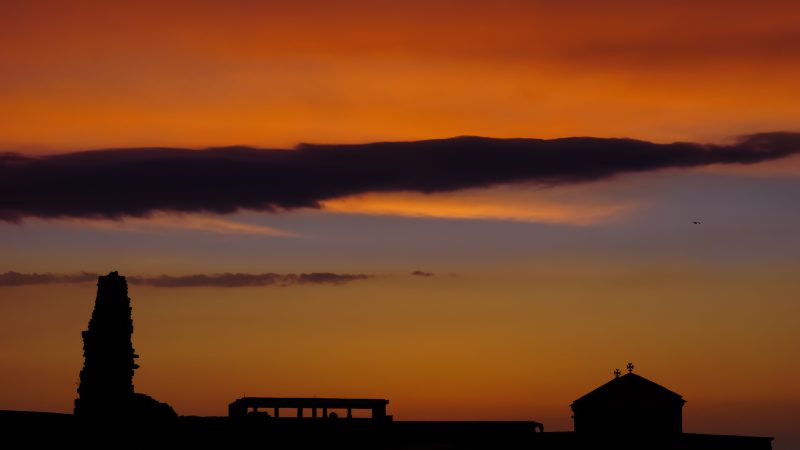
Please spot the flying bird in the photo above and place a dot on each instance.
(697, 222)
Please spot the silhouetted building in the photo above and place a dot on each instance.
(106, 380)
(317, 407)
(629, 404)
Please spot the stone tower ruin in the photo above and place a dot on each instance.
(106, 380)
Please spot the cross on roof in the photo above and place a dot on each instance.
(617, 373)
(629, 367)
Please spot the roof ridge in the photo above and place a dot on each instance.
(627, 384)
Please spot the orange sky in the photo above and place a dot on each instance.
(93, 74)
(539, 293)
(436, 347)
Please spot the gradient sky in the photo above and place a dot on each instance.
(537, 292)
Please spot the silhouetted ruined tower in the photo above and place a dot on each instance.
(106, 380)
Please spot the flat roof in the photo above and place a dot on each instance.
(311, 402)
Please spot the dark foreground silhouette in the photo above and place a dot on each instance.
(106, 380)
(628, 412)
(43, 430)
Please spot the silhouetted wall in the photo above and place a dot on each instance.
(653, 421)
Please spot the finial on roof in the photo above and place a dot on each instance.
(629, 367)
(617, 373)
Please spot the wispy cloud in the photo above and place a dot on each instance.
(246, 279)
(141, 182)
(226, 280)
(161, 222)
(12, 278)
(422, 273)
(487, 204)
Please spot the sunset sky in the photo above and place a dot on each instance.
(460, 278)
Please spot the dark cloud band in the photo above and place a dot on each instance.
(198, 280)
(136, 182)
